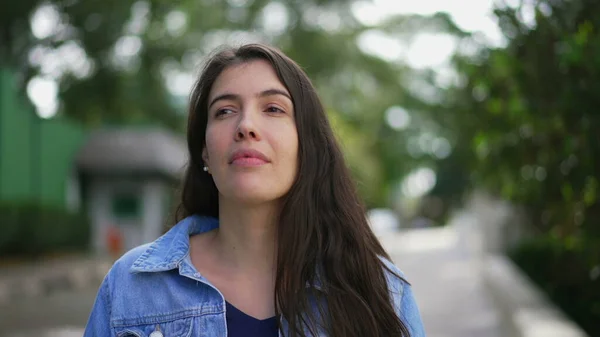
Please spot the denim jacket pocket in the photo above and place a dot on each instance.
(173, 328)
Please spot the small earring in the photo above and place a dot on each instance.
(205, 168)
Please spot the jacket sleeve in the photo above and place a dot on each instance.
(98, 324)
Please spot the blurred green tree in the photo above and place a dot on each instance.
(526, 123)
(133, 62)
(527, 113)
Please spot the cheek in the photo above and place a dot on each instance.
(214, 144)
(208, 143)
(289, 146)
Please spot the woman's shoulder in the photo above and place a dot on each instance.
(162, 254)
(395, 277)
(122, 270)
(403, 298)
(142, 283)
(124, 263)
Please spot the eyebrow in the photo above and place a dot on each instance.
(235, 97)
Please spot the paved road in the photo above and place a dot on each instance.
(445, 279)
(446, 282)
(60, 314)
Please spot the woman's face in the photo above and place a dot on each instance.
(251, 137)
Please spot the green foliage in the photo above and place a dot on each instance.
(32, 230)
(562, 268)
(407, 26)
(526, 120)
(527, 113)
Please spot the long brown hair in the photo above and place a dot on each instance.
(323, 235)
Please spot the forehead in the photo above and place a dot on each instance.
(247, 78)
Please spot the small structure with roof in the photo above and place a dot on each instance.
(128, 178)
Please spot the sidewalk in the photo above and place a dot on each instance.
(46, 276)
(447, 283)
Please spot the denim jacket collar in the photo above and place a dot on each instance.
(168, 251)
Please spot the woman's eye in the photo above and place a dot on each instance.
(275, 109)
(223, 111)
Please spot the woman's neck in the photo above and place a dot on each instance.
(247, 236)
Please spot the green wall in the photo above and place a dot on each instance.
(36, 155)
(15, 142)
(60, 142)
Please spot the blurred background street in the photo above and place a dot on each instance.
(63, 313)
(471, 129)
(450, 279)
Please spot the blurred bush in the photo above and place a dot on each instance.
(31, 230)
(564, 271)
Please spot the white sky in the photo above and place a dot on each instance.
(427, 50)
(470, 15)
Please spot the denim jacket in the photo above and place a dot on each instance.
(155, 288)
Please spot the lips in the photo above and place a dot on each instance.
(248, 157)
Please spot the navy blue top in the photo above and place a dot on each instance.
(239, 324)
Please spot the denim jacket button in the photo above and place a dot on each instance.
(156, 332)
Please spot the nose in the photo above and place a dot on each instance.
(247, 129)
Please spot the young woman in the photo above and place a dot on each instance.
(271, 238)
